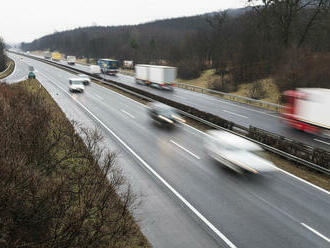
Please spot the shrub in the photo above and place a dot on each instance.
(57, 189)
(256, 91)
(224, 85)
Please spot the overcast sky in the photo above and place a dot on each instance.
(26, 20)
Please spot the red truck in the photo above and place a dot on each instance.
(308, 109)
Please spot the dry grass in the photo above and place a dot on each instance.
(270, 87)
(134, 238)
(203, 81)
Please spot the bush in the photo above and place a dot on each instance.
(56, 189)
(257, 91)
(224, 85)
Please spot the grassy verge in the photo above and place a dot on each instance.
(271, 92)
(59, 189)
(9, 70)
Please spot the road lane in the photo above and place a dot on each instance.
(261, 118)
(251, 211)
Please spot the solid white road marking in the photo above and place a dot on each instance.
(316, 232)
(186, 150)
(321, 141)
(148, 167)
(201, 132)
(232, 113)
(130, 115)
(304, 181)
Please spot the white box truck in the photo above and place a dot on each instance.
(307, 109)
(163, 77)
(71, 60)
(94, 69)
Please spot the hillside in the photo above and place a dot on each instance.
(279, 41)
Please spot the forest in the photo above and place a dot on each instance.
(288, 40)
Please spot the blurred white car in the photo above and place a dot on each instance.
(76, 85)
(85, 78)
(237, 153)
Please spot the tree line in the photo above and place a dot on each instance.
(285, 39)
(3, 59)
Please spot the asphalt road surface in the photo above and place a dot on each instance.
(238, 113)
(187, 199)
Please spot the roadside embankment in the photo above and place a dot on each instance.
(59, 186)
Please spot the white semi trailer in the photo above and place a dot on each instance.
(307, 109)
(163, 77)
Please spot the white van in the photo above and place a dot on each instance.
(76, 85)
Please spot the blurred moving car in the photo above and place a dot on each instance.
(237, 153)
(86, 80)
(76, 85)
(164, 114)
(94, 69)
(31, 75)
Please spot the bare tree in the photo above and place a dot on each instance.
(291, 19)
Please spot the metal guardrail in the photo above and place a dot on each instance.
(240, 130)
(227, 96)
(232, 97)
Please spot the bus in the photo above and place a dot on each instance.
(108, 66)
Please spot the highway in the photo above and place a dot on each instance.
(187, 199)
(238, 113)
(20, 72)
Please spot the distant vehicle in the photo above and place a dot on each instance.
(128, 64)
(164, 114)
(94, 69)
(71, 60)
(85, 79)
(307, 109)
(47, 55)
(31, 68)
(56, 56)
(163, 77)
(237, 153)
(76, 85)
(31, 75)
(108, 66)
